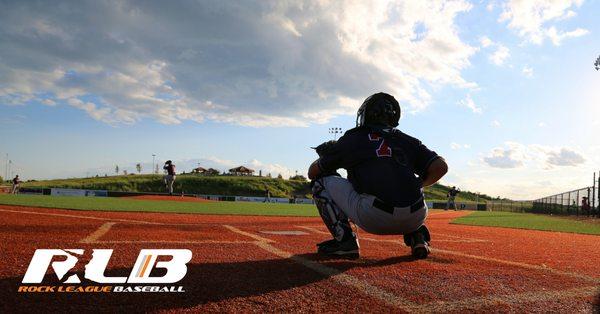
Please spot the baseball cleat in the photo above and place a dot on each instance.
(328, 242)
(419, 247)
(345, 249)
(419, 242)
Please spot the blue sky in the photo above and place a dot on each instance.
(506, 91)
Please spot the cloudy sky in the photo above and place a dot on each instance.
(506, 91)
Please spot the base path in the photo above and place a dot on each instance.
(251, 263)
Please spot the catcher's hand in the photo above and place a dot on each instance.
(324, 148)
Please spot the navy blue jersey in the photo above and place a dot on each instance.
(383, 163)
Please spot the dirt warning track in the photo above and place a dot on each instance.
(268, 264)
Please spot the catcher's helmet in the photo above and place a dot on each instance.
(379, 109)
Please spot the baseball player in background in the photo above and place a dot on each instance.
(383, 194)
(16, 185)
(169, 178)
(451, 195)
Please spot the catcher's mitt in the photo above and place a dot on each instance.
(325, 147)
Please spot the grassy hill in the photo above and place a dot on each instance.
(224, 185)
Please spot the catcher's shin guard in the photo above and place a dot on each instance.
(334, 218)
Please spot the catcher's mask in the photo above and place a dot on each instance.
(379, 109)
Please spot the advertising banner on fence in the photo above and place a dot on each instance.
(77, 192)
(261, 199)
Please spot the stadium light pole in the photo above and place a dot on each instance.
(152, 170)
(335, 132)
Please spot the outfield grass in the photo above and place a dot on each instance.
(121, 204)
(528, 221)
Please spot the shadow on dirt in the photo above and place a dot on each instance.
(204, 283)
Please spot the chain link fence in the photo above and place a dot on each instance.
(578, 202)
(509, 206)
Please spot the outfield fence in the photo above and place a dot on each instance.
(577, 202)
(509, 206)
(580, 202)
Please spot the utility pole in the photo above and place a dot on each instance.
(598, 192)
(594, 191)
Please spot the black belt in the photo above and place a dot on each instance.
(379, 204)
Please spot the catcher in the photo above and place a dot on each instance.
(383, 194)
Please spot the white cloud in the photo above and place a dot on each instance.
(485, 41)
(565, 157)
(500, 55)
(469, 103)
(457, 146)
(264, 63)
(514, 155)
(496, 123)
(529, 18)
(557, 156)
(557, 36)
(527, 71)
(541, 124)
(510, 156)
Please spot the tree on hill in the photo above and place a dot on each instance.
(212, 172)
(298, 177)
(279, 176)
(138, 167)
(125, 172)
(117, 169)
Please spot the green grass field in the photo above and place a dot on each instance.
(122, 204)
(528, 221)
(221, 185)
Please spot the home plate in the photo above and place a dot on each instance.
(286, 232)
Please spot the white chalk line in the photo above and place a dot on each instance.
(484, 258)
(94, 236)
(478, 302)
(121, 220)
(435, 306)
(192, 242)
(336, 275)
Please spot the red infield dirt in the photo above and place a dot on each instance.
(170, 198)
(257, 264)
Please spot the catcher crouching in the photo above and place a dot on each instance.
(383, 194)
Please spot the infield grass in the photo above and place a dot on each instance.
(132, 205)
(528, 221)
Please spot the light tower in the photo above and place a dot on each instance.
(152, 170)
(335, 132)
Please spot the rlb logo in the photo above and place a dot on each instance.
(147, 260)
